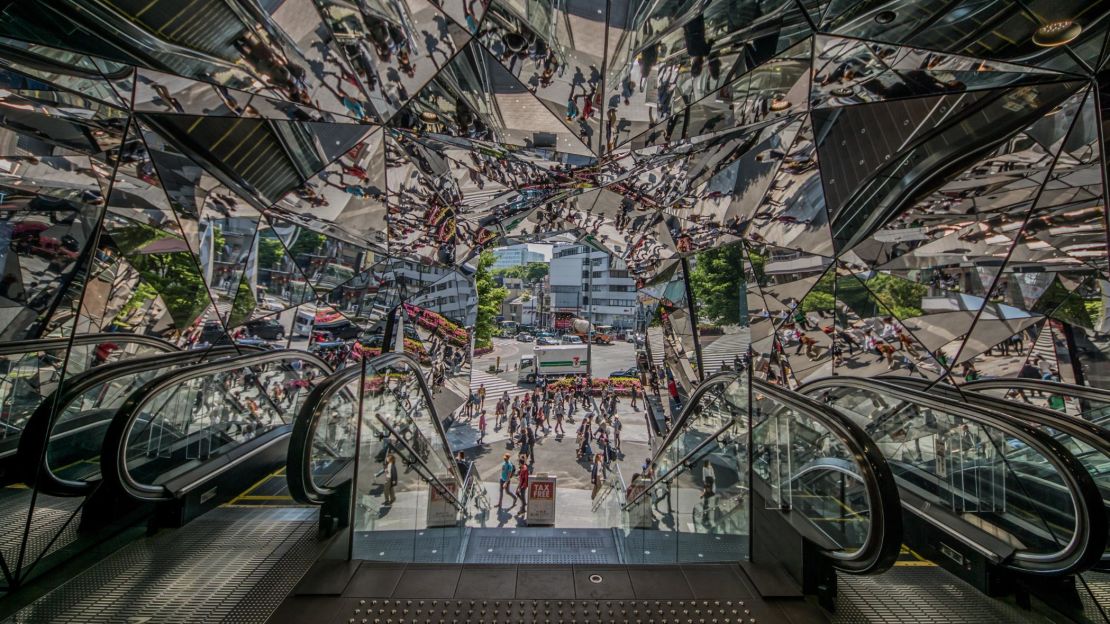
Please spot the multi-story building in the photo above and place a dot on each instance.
(521, 254)
(591, 284)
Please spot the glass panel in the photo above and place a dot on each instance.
(407, 487)
(987, 476)
(182, 427)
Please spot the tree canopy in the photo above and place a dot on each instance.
(490, 298)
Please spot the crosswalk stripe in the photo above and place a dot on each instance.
(495, 387)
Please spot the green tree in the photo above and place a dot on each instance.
(535, 271)
(901, 296)
(243, 305)
(490, 298)
(307, 243)
(716, 280)
(270, 252)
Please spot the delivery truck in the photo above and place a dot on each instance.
(553, 361)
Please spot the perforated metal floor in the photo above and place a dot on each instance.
(232, 565)
(551, 546)
(53, 525)
(920, 595)
(1094, 592)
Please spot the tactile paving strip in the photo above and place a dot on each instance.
(920, 595)
(232, 565)
(552, 612)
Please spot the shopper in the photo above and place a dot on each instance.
(390, 478)
(507, 471)
(522, 484)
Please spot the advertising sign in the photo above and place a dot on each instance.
(440, 510)
(541, 501)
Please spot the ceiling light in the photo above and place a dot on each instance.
(1056, 33)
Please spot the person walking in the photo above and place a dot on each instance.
(635, 393)
(481, 426)
(390, 478)
(504, 486)
(597, 475)
(522, 484)
(617, 426)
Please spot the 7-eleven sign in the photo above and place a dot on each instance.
(576, 361)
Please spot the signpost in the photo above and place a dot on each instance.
(541, 501)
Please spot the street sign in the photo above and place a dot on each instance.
(541, 501)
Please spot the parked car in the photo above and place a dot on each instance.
(265, 328)
(213, 333)
(627, 372)
(571, 339)
(524, 337)
(546, 340)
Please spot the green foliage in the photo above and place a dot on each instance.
(270, 252)
(243, 305)
(901, 297)
(139, 296)
(529, 273)
(308, 243)
(818, 302)
(716, 279)
(173, 276)
(490, 298)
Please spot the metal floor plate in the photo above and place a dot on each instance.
(549, 545)
(232, 565)
(920, 595)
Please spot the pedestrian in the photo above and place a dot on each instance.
(481, 426)
(481, 395)
(522, 484)
(635, 393)
(514, 424)
(597, 475)
(583, 438)
(617, 426)
(507, 471)
(390, 478)
(603, 444)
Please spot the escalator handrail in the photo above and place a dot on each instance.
(31, 456)
(1023, 383)
(1088, 541)
(723, 378)
(884, 534)
(299, 462)
(113, 456)
(50, 344)
(1092, 435)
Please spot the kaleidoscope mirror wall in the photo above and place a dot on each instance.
(844, 187)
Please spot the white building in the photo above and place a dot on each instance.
(519, 255)
(593, 285)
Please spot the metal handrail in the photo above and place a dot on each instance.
(113, 456)
(49, 344)
(1088, 541)
(1022, 383)
(299, 462)
(1090, 434)
(31, 456)
(723, 378)
(880, 548)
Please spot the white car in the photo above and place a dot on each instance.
(571, 339)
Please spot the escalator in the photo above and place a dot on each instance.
(191, 439)
(1088, 442)
(36, 523)
(814, 474)
(32, 370)
(346, 428)
(986, 495)
(1084, 402)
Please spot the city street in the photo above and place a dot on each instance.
(554, 455)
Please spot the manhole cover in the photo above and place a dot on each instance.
(595, 578)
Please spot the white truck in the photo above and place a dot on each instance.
(553, 361)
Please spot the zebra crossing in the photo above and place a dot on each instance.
(724, 350)
(495, 387)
